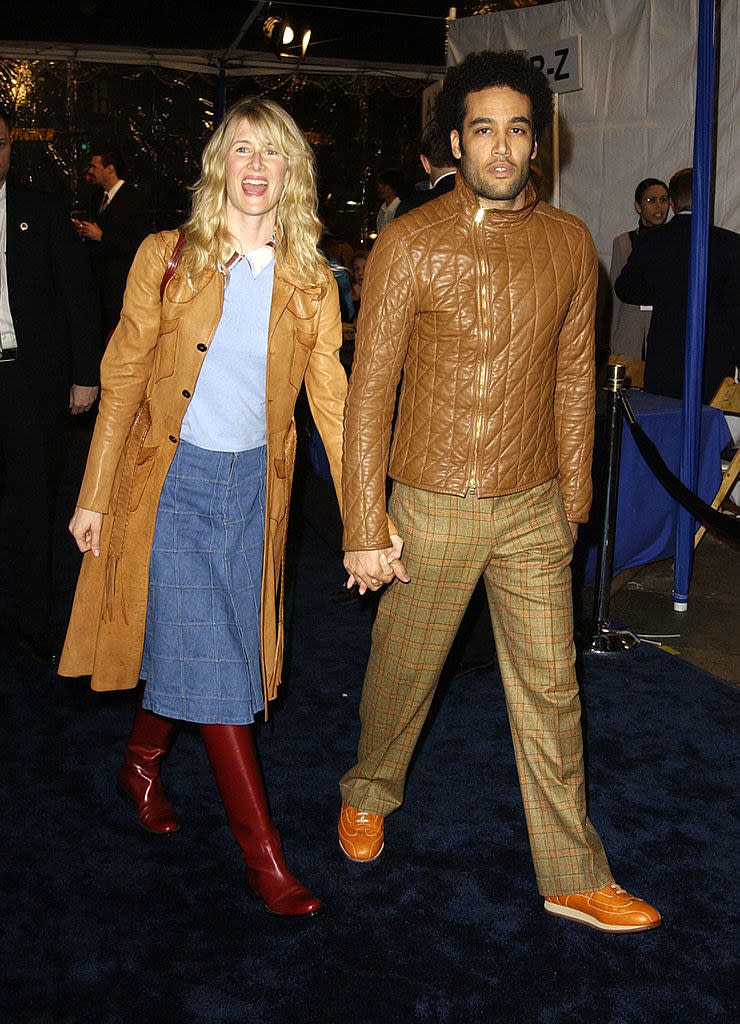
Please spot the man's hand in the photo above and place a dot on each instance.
(85, 527)
(373, 569)
(81, 398)
(573, 530)
(88, 229)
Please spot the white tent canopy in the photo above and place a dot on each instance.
(207, 62)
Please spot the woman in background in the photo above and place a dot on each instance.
(184, 505)
(630, 324)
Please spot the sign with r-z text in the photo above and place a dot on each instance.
(561, 62)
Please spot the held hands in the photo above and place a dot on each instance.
(85, 528)
(81, 398)
(373, 569)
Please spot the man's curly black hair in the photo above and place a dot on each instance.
(494, 68)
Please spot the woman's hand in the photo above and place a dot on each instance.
(81, 398)
(85, 528)
(373, 569)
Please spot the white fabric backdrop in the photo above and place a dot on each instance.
(634, 117)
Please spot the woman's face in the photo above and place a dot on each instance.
(358, 269)
(256, 173)
(653, 207)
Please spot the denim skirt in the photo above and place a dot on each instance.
(201, 656)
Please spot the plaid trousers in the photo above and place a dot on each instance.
(521, 543)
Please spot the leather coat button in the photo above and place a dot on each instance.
(186, 393)
(201, 347)
(173, 439)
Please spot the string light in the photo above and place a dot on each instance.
(164, 116)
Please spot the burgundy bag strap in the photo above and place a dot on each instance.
(172, 264)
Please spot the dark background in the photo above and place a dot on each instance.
(358, 123)
(405, 31)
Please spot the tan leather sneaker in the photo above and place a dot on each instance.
(360, 834)
(610, 909)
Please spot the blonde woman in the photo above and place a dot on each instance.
(184, 505)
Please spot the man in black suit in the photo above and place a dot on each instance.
(49, 359)
(439, 165)
(115, 233)
(657, 274)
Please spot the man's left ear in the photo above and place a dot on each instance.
(534, 150)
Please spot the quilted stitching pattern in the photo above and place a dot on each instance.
(489, 329)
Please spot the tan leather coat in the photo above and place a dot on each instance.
(488, 318)
(148, 375)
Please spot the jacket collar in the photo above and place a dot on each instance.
(287, 290)
(467, 200)
(291, 276)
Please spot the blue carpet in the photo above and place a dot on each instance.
(102, 922)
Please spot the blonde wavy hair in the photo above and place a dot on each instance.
(297, 228)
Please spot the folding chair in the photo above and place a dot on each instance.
(726, 398)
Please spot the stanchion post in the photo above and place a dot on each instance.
(604, 638)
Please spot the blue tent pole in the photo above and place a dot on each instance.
(223, 60)
(220, 104)
(697, 302)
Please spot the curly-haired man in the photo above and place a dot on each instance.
(482, 302)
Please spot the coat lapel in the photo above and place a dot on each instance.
(20, 237)
(282, 290)
(292, 305)
(11, 223)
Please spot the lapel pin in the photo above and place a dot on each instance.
(24, 226)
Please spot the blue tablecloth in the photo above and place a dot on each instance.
(646, 514)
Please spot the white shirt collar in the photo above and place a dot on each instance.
(112, 191)
(258, 260)
(445, 175)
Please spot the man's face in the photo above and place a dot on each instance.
(99, 174)
(4, 150)
(385, 193)
(496, 146)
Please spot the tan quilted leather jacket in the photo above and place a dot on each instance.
(488, 317)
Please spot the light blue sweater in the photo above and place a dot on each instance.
(227, 410)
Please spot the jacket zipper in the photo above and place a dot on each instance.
(483, 370)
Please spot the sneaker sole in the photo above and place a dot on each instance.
(578, 915)
(361, 860)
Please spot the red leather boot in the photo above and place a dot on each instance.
(235, 767)
(138, 779)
